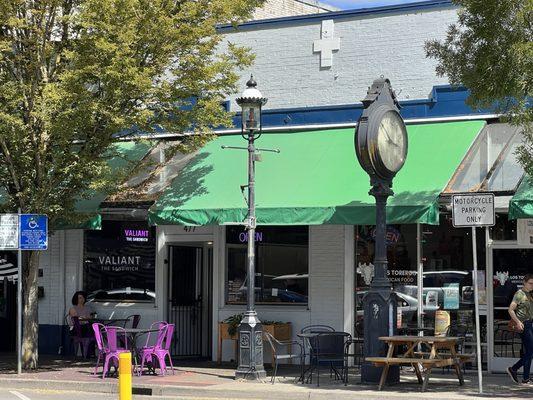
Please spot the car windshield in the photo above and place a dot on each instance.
(122, 294)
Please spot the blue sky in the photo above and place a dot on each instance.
(351, 4)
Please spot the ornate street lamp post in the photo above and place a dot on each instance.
(381, 147)
(250, 329)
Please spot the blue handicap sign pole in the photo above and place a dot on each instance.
(33, 235)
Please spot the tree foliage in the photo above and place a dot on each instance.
(74, 73)
(490, 51)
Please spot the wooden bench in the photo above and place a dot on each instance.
(463, 357)
(442, 354)
(426, 362)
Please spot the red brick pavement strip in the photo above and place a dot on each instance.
(80, 374)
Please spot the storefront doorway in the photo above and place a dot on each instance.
(190, 305)
(8, 301)
(507, 265)
(8, 315)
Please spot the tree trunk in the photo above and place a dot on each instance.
(30, 316)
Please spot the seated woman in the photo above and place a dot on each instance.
(82, 311)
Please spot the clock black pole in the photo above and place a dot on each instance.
(379, 304)
(381, 147)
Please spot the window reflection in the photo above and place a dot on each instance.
(510, 267)
(447, 291)
(119, 262)
(281, 265)
(401, 256)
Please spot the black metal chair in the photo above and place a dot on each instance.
(329, 348)
(317, 328)
(460, 331)
(277, 347)
(353, 349)
(313, 329)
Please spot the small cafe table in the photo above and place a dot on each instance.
(133, 334)
(442, 353)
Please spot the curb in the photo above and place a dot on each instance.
(264, 392)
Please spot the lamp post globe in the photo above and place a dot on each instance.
(381, 148)
(250, 329)
(251, 103)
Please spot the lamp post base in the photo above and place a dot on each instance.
(250, 348)
(250, 374)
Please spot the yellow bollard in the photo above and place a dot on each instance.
(124, 376)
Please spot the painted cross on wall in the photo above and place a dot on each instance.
(327, 44)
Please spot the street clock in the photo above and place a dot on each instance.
(381, 135)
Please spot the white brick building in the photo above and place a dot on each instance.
(305, 88)
(287, 8)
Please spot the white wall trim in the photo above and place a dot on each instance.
(218, 240)
(81, 252)
(349, 279)
(62, 310)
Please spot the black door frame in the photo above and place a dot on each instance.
(192, 341)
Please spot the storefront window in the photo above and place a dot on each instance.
(504, 229)
(509, 266)
(119, 262)
(401, 256)
(282, 266)
(448, 291)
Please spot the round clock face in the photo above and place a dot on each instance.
(392, 141)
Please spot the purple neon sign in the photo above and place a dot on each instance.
(243, 237)
(136, 235)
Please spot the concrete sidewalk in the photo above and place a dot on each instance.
(208, 380)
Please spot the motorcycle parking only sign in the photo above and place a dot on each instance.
(470, 210)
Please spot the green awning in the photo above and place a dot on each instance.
(521, 204)
(315, 179)
(124, 156)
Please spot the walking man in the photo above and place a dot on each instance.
(521, 312)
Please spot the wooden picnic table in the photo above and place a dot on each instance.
(442, 353)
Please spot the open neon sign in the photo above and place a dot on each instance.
(243, 237)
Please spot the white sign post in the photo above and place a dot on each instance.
(474, 210)
(22, 232)
(9, 240)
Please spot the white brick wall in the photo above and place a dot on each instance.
(392, 45)
(285, 8)
(58, 286)
(326, 277)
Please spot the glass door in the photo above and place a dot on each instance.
(509, 265)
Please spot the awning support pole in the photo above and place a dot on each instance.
(419, 278)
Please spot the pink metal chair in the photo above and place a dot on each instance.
(111, 346)
(162, 352)
(98, 328)
(147, 352)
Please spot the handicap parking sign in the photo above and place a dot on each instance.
(33, 232)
